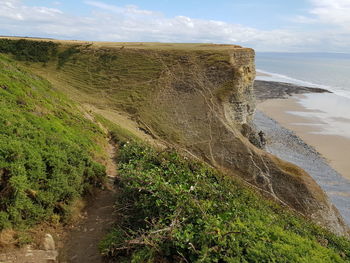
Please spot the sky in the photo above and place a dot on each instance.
(265, 25)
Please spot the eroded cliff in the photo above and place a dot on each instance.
(198, 98)
(210, 114)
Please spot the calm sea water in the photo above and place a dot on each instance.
(325, 70)
(328, 70)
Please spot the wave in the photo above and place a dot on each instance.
(275, 77)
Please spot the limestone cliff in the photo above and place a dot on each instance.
(208, 107)
(198, 98)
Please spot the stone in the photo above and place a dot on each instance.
(49, 243)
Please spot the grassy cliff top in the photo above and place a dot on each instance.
(138, 45)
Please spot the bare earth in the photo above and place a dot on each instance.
(82, 241)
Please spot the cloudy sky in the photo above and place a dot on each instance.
(266, 25)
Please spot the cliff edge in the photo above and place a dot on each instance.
(198, 98)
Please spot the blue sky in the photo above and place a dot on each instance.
(261, 14)
(266, 25)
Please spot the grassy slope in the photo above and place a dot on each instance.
(47, 149)
(217, 221)
(176, 210)
(126, 76)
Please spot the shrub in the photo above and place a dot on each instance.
(178, 210)
(29, 50)
(64, 56)
(46, 149)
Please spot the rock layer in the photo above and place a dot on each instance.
(196, 97)
(209, 116)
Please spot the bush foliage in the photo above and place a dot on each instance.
(46, 148)
(64, 56)
(29, 50)
(177, 210)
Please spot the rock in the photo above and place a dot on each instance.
(210, 116)
(49, 243)
(323, 242)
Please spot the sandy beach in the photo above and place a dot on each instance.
(262, 74)
(334, 148)
(301, 140)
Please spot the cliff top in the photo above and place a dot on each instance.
(137, 45)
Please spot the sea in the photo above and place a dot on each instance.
(330, 71)
(330, 112)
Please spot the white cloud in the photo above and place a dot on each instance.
(130, 23)
(328, 12)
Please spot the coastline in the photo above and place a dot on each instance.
(333, 147)
(300, 139)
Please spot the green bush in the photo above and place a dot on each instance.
(46, 149)
(29, 50)
(64, 56)
(178, 210)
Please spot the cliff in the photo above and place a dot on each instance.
(209, 107)
(197, 98)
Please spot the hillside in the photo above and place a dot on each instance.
(173, 209)
(196, 99)
(48, 152)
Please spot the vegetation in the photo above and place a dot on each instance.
(64, 56)
(177, 210)
(127, 77)
(46, 150)
(37, 51)
(117, 132)
(171, 209)
(27, 50)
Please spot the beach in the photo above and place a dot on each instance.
(298, 134)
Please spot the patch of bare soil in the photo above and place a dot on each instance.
(81, 242)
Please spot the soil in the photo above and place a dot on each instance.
(81, 242)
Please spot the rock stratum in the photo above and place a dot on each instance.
(196, 98)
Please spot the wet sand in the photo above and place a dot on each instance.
(285, 144)
(301, 135)
(258, 73)
(336, 149)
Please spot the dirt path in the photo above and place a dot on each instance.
(82, 241)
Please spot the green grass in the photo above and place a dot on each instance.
(46, 150)
(116, 131)
(126, 77)
(173, 209)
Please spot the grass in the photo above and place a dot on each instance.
(172, 209)
(131, 77)
(47, 150)
(133, 45)
(117, 132)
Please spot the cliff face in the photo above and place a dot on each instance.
(199, 99)
(209, 109)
